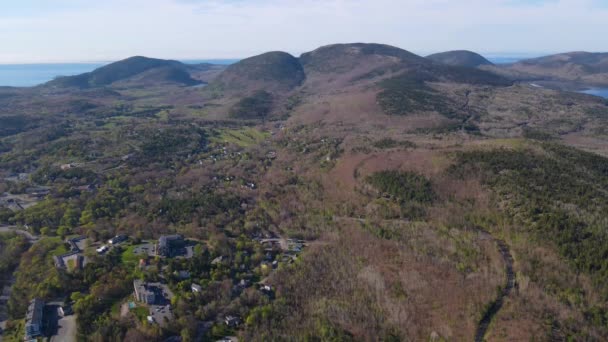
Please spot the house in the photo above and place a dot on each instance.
(232, 321)
(182, 274)
(143, 293)
(117, 239)
(75, 258)
(76, 244)
(244, 283)
(34, 319)
(267, 291)
(196, 288)
(170, 245)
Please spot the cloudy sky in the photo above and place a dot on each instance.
(84, 30)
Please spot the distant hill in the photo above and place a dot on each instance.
(583, 67)
(174, 74)
(461, 58)
(358, 63)
(157, 70)
(271, 71)
(341, 58)
(336, 66)
(264, 86)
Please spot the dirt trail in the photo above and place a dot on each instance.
(491, 312)
(484, 323)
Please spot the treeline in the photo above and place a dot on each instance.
(559, 193)
(256, 106)
(404, 186)
(11, 248)
(206, 203)
(404, 95)
(36, 276)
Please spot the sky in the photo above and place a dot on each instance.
(44, 31)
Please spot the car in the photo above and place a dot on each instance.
(102, 249)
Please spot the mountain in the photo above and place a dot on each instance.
(357, 193)
(342, 58)
(156, 71)
(262, 86)
(340, 65)
(582, 67)
(352, 64)
(271, 71)
(460, 58)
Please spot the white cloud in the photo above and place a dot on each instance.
(112, 29)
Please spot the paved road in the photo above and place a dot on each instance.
(14, 229)
(66, 330)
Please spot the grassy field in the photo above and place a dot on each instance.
(141, 312)
(129, 258)
(241, 137)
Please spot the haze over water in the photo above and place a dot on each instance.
(28, 75)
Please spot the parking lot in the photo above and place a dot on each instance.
(161, 310)
(147, 248)
(161, 313)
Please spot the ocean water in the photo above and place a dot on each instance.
(28, 75)
(601, 92)
(505, 60)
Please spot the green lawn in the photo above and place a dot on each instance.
(61, 249)
(129, 258)
(141, 313)
(242, 137)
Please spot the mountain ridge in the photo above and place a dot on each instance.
(463, 58)
(124, 69)
(578, 66)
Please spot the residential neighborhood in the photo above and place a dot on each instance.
(174, 256)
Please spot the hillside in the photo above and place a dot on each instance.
(271, 71)
(157, 70)
(461, 58)
(340, 65)
(582, 67)
(340, 58)
(357, 193)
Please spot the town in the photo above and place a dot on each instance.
(162, 271)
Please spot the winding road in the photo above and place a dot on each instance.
(485, 321)
(13, 229)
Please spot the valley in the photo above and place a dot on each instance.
(357, 192)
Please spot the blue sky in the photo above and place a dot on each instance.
(83, 30)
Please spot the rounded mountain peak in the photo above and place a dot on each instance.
(344, 57)
(461, 58)
(273, 71)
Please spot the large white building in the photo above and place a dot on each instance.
(143, 293)
(33, 319)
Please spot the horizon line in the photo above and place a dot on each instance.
(493, 54)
